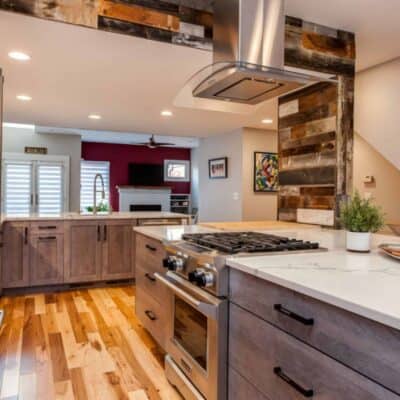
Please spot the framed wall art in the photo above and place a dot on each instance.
(218, 168)
(265, 172)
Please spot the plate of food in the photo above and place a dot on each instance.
(391, 249)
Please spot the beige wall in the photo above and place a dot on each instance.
(257, 206)
(377, 116)
(386, 188)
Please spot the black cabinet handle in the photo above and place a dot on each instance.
(26, 235)
(105, 233)
(149, 277)
(151, 248)
(305, 392)
(291, 314)
(98, 233)
(150, 315)
(47, 238)
(47, 227)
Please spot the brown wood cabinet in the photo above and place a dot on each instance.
(118, 250)
(151, 296)
(83, 245)
(299, 347)
(46, 259)
(97, 250)
(16, 251)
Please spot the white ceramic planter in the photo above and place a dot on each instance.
(358, 241)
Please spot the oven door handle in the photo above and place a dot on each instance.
(209, 310)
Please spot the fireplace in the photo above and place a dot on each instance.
(145, 207)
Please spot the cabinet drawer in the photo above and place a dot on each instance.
(364, 345)
(47, 227)
(151, 315)
(284, 368)
(160, 221)
(149, 254)
(240, 389)
(146, 281)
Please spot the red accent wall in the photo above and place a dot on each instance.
(120, 155)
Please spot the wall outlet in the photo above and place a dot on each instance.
(235, 196)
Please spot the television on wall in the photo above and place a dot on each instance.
(146, 174)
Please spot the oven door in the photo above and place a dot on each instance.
(197, 335)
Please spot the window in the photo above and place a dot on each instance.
(89, 169)
(34, 184)
(176, 170)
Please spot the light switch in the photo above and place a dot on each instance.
(235, 196)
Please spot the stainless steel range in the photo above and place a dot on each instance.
(197, 281)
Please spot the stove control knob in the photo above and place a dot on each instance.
(201, 278)
(173, 263)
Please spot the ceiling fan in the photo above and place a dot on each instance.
(153, 144)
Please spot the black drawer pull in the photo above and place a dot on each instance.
(291, 314)
(150, 315)
(151, 248)
(47, 227)
(98, 233)
(47, 238)
(149, 277)
(105, 233)
(26, 231)
(305, 392)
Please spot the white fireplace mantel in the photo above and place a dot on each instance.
(153, 196)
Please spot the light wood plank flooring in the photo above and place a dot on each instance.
(83, 344)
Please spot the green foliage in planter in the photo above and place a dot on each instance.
(101, 207)
(361, 215)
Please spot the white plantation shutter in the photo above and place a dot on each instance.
(50, 188)
(18, 188)
(89, 169)
(34, 184)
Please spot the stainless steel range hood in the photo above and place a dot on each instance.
(248, 55)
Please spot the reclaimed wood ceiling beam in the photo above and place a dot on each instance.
(139, 15)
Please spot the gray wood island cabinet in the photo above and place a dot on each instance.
(284, 345)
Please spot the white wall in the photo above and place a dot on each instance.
(257, 206)
(377, 115)
(15, 140)
(220, 199)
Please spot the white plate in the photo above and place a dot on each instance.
(395, 246)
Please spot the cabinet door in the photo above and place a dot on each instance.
(118, 250)
(47, 259)
(83, 249)
(16, 254)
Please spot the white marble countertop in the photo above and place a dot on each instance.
(75, 215)
(365, 284)
(171, 232)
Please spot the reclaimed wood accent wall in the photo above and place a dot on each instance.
(316, 126)
(182, 22)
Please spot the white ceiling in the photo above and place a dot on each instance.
(77, 71)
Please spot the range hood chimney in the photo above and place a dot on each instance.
(248, 58)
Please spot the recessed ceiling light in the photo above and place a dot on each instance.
(166, 113)
(94, 116)
(267, 121)
(19, 56)
(24, 97)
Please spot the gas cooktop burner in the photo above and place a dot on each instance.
(248, 242)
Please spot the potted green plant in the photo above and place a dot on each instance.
(360, 217)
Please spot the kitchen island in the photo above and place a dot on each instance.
(322, 325)
(73, 248)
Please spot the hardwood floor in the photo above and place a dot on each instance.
(83, 344)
